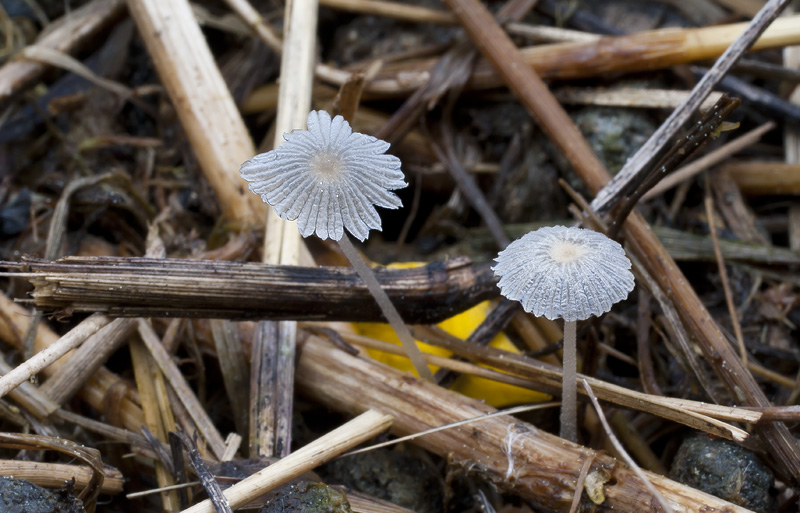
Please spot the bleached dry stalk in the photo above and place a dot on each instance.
(202, 101)
(45, 357)
(363, 427)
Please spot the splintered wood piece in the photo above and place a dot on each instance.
(367, 425)
(515, 455)
(202, 101)
(235, 290)
(158, 417)
(68, 33)
(182, 389)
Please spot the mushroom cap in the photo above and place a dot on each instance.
(328, 178)
(566, 272)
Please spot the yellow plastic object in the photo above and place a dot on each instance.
(497, 394)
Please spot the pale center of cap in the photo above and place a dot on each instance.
(565, 251)
(327, 165)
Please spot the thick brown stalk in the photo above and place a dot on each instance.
(499, 50)
(235, 290)
(515, 455)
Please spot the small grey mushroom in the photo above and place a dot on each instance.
(568, 273)
(328, 178)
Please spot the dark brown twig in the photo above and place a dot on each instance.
(640, 162)
(698, 135)
(141, 287)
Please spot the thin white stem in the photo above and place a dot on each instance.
(388, 309)
(569, 389)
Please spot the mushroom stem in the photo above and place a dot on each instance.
(569, 392)
(389, 311)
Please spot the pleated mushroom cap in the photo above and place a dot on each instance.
(565, 272)
(328, 178)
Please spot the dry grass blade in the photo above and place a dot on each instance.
(158, 418)
(708, 160)
(61, 60)
(363, 427)
(257, 23)
(548, 378)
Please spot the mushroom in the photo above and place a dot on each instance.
(329, 178)
(569, 273)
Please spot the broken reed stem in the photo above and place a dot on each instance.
(182, 389)
(158, 418)
(387, 307)
(272, 371)
(637, 167)
(365, 426)
(546, 466)
(45, 357)
(207, 112)
(240, 290)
